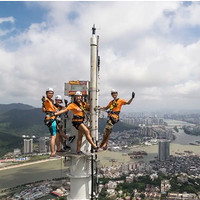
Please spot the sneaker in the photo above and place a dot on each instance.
(80, 153)
(71, 138)
(66, 147)
(60, 151)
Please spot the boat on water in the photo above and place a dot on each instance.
(136, 156)
(188, 151)
(138, 153)
(112, 160)
(194, 144)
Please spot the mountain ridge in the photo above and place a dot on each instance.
(20, 106)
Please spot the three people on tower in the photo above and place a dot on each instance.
(78, 108)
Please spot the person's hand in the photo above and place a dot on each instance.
(101, 108)
(66, 102)
(133, 94)
(96, 108)
(43, 99)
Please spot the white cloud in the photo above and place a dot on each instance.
(187, 15)
(7, 19)
(135, 54)
(4, 31)
(190, 88)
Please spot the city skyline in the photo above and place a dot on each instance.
(147, 47)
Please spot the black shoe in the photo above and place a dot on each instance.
(71, 138)
(66, 147)
(96, 149)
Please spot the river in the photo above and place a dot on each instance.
(55, 169)
(181, 136)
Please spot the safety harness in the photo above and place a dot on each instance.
(112, 106)
(49, 114)
(82, 107)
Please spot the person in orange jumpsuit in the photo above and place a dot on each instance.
(114, 107)
(61, 134)
(78, 108)
(50, 119)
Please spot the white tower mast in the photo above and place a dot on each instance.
(82, 167)
(93, 98)
(94, 84)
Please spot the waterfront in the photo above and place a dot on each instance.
(181, 136)
(27, 174)
(55, 169)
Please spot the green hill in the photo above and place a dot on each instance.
(25, 120)
(8, 142)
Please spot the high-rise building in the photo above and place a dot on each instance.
(163, 150)
(42, 145)
(28, 145)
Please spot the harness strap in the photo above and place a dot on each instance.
(50, 113)
(77, 117)
(79, 105)
(113, 104)
(115, 112)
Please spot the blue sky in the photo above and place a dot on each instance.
(24, 14)
(149, 47)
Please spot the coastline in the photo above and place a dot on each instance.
(27, 164)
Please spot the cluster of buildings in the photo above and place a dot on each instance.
(143, 119)
(117, 171)
(147, 135)
(134, 170)
(188, 164)
(150, 192)
(187, 117)
(42, 147)
(42, 189)
(33, 193)
(158, 132)
(184, 165)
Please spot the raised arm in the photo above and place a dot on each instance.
(43, 107)
(129, 102)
